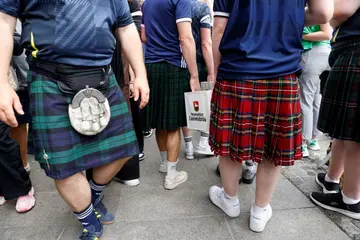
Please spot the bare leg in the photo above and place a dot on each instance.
(186, 132)
(230, 175)
(20, 135)
(336, 168)
(173, 145)
(104, 174)
(267, 178)
(352, 170)
(161, 138)
(75, 190)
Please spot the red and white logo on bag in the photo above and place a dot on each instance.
(196, 106)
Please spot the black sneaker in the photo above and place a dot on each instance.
(148, 133)
(141, 156)
(248, 175)
(218, 172)
(334, 202)
(328, 187)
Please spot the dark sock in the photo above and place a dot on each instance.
(96, 190)
(88, 218)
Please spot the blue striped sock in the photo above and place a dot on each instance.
(96, 190)
(88, 218)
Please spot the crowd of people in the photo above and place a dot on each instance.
(102, 75)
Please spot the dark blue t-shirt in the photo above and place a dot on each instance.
(349, 29)
(160, 18)
(201, 18)
(78, 33)
(261, 40)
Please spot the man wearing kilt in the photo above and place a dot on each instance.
(80, 119)
(170, 50)
(255, 110)
(340, 114)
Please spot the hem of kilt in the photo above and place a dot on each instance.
(339, 136)
(84, 168)
(255, 158)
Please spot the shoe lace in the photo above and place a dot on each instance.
(87, 236)
(100, 210)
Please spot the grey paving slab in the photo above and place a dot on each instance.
(294, 224)
(203, 228)
(158, 203)
(287, 196)
(35, 233)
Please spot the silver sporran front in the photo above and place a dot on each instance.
(89, 112)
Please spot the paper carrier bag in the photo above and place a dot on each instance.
(197, 106)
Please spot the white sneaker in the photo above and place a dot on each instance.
(189, 152)
(313, 145)
(217, 197)
(171, 183)
(131, 183)
(2, 200)
(204, 148)
(26, 203)
(258, 221)
(163, 167)
(305, 151)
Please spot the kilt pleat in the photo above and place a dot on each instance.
(256, 120)
(62, 151)
(166, 107)
(340, 105)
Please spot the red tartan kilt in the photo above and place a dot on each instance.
(256, 120)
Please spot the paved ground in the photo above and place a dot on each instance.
(149, 212)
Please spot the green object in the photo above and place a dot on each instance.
(307, 45)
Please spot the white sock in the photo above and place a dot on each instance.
(171, 169)
(231, 200)
(163, 156)
(259, 210)
(251, 166)
(188, 141)
(348, 200)
(327, 179)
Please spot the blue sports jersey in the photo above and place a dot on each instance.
(201, 18)
(160, 18)
(72, 32)
(262, 39)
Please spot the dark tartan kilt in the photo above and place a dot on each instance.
(68, 151)
(340, 105)
(257, 120)
(166, 107)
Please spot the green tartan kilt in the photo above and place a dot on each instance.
(62, 151)
(166, 107)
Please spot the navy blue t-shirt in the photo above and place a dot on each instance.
(201, 18)
(261, 40)
(78, 33)
(160, 18)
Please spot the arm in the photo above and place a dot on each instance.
(206, 46)
(187, 43)
(343, 10)
(143, 33)
(131, 46)
(9, 99)
(7, 29)
(318, 12)
(323, 35)
(218, 31)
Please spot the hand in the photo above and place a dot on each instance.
(194, 84)
(141, 89)
(8, 102)
(131, 89)
(211, 79)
